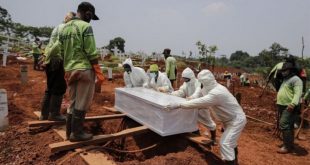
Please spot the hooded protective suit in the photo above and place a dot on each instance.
(191, 90)
(136, 78)
(225, 107)
(162, 83)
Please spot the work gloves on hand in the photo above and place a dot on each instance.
(173, 105)
(161, 89)
(98, 73)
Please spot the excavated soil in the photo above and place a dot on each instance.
(257, 145)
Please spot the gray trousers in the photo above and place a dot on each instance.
(81, 90)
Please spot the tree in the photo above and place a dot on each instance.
(239, 56)
(202, 49)
(5, 20)
(118, 42)
(223, 60)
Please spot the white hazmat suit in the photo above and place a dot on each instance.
(136, 78)
(192, 90)
(226, 108)
(162, 83)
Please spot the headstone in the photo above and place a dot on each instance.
(110, 74)
(5, 54)
(228, 83)
(24, 74)
(4, 122)
(116, 51)
(104, 52)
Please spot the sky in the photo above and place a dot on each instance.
(152, 25)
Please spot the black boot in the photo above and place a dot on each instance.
(232, 162)
(45, 106)
(54, 108)
(213, 137)
(196, 132)
(68, 125)
(78, 133)
(236, 156)
(288, 142)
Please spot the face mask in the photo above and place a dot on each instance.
(285, 73)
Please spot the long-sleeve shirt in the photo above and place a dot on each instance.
(290, 91)
(170, 68)
(220, 100)
(78, 45)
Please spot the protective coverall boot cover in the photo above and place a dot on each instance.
(68, 125)
(288, 142)
(54, 108)
(78, 133)
(45, 106)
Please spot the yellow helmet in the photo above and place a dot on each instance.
(154, 68)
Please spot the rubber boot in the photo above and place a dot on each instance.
(68, 125)
(232, 162)
(45, 106)
(196, 132)
(78, 133)
(236, 156)
(213, 137)
(54, 108)
(288, 142)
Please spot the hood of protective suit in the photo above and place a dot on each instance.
(129, 62)
(206, 78)
(188, 73)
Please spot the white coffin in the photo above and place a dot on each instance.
(147, 107)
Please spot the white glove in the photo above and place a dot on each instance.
(173, 105)
(189, 98)
(161, 89)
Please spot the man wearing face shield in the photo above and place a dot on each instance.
(159, 81)
(288, 98)
(225, 106)
(191, 89)
(134, 76)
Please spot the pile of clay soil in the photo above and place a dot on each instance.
(257, 145)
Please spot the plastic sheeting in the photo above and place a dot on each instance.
(147, 107)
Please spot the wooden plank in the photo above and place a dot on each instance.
(198, 139)
(67, 145)
(91, 118)
(111, 109)
(91, 158)
(259, 120)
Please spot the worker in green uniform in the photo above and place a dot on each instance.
(80, 57)
(288, 99)
(36, 52)
(56, 85)
(171, 69)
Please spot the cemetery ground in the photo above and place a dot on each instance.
(257, 145)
